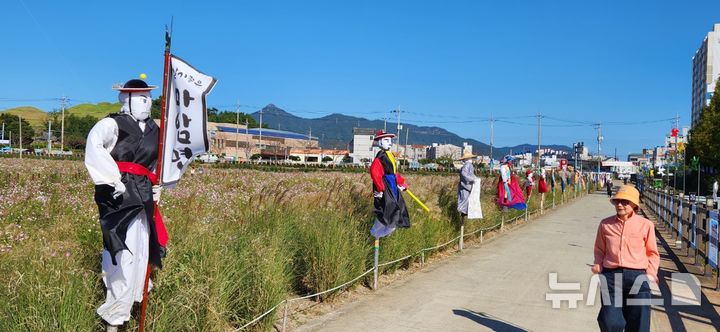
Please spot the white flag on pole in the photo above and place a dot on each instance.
(185, 134)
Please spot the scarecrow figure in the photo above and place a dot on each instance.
(468, 192)
(509, 193)
(120, 154)
(529, 182)
(542, 184)
(563, 174)
(389, 205)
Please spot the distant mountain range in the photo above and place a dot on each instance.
(335, 131)
(332, 131)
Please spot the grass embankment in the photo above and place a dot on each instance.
(241, 241)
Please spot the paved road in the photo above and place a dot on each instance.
(498, 286)
(502, 285)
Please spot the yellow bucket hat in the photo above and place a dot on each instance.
(628, 192)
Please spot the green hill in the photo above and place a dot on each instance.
(99, 110)
(35, 116)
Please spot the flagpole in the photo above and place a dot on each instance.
(158, 164)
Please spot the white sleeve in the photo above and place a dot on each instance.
(505, 173)
(100, 141)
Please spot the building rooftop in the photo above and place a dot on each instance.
(265, 132)
(363, 131)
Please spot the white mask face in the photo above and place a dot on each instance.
(136, 103)
(385, 143)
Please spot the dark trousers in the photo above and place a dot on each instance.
(618, 315)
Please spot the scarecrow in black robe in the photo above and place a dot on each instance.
(390, 210)
(120, 155)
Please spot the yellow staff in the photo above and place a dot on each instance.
(417, 200)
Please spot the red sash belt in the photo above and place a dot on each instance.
(137, 169)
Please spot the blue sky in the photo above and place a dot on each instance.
(445, 63)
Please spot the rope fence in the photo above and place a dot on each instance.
(420, 252)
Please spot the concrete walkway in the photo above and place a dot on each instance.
(499, 286)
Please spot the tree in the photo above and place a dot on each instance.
(156, 107)
(327, 158)
(705, 135)
(215, 115)
(294, 158)
(76, 129)
(444, 161)
(12, 125)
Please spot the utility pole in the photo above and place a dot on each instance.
(248, 149)
(399, 127)
(3, 132)
(407, 133)
(20, 140)
(237, 130)
(539, 117)
(385, 123)
(49, 137)
(63, 99)
(260, 129)
(677, 127)
(492, 127)
(598, 126)
(575, 155)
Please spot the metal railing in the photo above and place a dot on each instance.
(674, 213)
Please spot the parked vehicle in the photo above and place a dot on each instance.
(208, 158)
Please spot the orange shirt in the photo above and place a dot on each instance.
(630, 244)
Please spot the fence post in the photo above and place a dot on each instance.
(527, 208)
(542, 203)
(376, 247)
(502, 222)
(422, 258)
(481, 237)
(707, 250)
(553, 199)
(285, 315)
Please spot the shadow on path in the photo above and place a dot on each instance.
(488, 321)
(676, 312)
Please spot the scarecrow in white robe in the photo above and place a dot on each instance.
(389, 205)
(120, 154)
(468, 192)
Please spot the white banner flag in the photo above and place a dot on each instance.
(185, 119)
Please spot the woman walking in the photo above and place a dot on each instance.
(626, 254)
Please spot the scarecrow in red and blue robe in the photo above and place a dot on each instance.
(389, 205)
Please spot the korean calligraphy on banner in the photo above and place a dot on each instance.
(186, 118)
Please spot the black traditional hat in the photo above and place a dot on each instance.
(135, 85)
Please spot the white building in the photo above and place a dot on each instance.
(413, 151)
(706, 70)
(445, 150)
(621, 167)
(363, 150)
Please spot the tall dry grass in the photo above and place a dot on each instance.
(241, 241)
